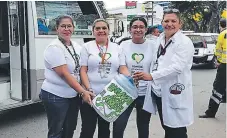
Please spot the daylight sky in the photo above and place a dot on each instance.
(115, 3)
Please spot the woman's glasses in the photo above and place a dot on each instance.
(66, 26)
(171, 11)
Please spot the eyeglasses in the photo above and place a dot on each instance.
(141, 27)
(66, 26)
(171, 11)
(99, 28)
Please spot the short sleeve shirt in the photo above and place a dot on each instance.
(56, 55)
(90, 57)
(138, 57)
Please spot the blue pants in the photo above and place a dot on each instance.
(142, 120)
(62, 114)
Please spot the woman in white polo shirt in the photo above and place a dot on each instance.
(100, 62)
(60, 89)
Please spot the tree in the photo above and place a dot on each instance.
(216, 7)
(209, 10)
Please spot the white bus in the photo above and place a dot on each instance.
(26, 28)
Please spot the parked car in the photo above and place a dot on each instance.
(204, 44)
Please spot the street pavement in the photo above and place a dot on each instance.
(31, 122)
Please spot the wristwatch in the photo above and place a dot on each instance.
(81, 94)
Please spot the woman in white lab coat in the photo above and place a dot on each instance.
(171, 79)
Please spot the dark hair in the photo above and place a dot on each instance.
(100, 20)
(60, 17)
(138, 19)
(223, 22)
(153, 29)
(150, 30)
(174, 11)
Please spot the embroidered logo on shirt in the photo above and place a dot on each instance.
(137, 57)
(176, 88)
(107, 56)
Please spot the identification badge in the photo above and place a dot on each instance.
(76, 74)
(76, 71)
(103, 71)
(155, 66)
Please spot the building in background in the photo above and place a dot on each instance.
(130, 10)
(164, 4)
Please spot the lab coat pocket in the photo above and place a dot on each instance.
(175, 101)
(176, 96)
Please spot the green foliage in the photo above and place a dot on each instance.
(209, 11)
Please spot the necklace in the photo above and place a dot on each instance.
(101, 50)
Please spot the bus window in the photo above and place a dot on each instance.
(48, 11)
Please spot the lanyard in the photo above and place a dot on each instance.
(75, 58)
(162, 49)
(103, 55)
(159, 53)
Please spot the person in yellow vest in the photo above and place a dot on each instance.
(219, 85)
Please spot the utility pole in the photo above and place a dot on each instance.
(149, 9)
(146, 4)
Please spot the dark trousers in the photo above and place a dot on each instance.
(62, 114)
(180, 132)
(142, 120)
(218, 92)
(89, 119)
